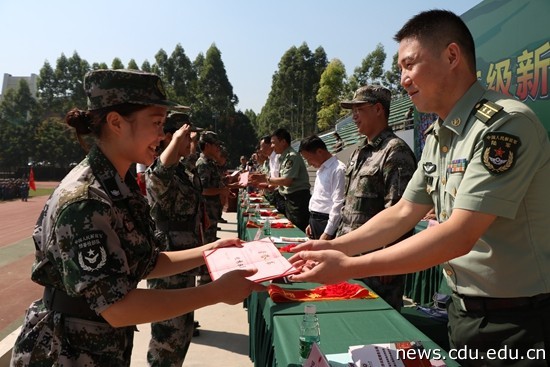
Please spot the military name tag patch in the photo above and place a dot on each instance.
(499, 152)
(90, 247)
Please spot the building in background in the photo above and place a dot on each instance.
(12, 82)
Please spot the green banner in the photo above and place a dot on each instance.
(512, 40)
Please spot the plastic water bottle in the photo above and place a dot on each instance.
(309, 331)
(267, 227)
(257, 213)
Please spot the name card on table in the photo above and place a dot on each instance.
(316, 358)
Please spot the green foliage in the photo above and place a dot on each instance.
(132, 65)
(292, 102)
(117, 64)
(371, 69)
(330, 94)
(304, 98)
(393, 77)
(66, 149)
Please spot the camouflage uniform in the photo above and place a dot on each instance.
(376, 177)
(175, 195)
(210, 178)
(94, 242)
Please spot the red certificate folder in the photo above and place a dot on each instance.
(261, 254)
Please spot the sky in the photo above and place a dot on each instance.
(252, 35)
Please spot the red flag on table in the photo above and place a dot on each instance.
(32, 184)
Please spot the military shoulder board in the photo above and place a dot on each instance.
(485, 110)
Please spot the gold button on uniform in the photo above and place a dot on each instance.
(444, 149)
(456, 121)
(443, 180)
(449, 272)
(443, 214)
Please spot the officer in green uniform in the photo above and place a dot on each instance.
(486, 169)
(376, 175)
(174, 192)
(293, 180)
(95, 240)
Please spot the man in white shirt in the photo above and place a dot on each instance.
(272, 194)
(326, 202)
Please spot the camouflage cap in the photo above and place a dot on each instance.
(105, 88)
(210, 137)
(369, 94)
(175, 120)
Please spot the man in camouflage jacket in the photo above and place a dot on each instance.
(213, 188)
(175, 194)
(376, 175)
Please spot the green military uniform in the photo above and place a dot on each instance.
(296, 195)
(94, 243)
(376, 177)
(175, 196)
(492, 155)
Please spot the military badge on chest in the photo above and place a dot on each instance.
(429, 167)
(90, 246)
(499, 152)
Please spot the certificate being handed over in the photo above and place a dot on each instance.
(261, 254)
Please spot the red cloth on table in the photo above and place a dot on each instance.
(287, 248)
(340, 291)
(251, 224)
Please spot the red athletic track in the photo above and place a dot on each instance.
(17, 291)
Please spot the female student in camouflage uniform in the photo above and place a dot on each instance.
(174, 192)
(95, 239)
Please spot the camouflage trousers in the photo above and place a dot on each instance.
(49, 338)
(170, 339)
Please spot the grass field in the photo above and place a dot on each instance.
(41, 192)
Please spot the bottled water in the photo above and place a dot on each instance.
(257, 213)
(267, 227)
(309, 331)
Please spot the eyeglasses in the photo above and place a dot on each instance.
(356, 110)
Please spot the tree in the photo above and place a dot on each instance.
(146, 66)
(62, 89)
(291, 102)
(161, 63)
(371, 69)
(181, 76)
(47, 85)
(132, 65)
(99, 65)
(55, 142)
(216, 100)
(117, 64)
(393, 77)
(239, 137)
(19, 113)
(330, 93)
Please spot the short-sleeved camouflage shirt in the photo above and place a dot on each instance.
(376, 176)
(94, 239)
